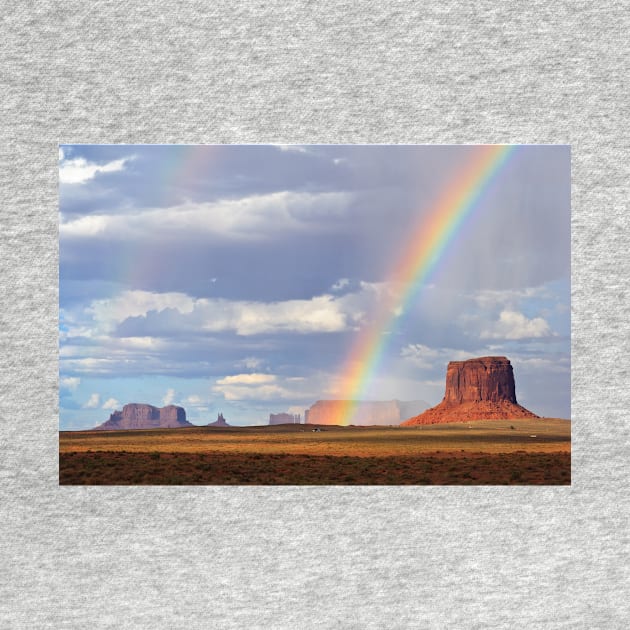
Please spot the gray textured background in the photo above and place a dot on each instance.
(399, 72)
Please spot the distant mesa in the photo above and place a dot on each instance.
(364, 413)
(284, 418)
(477, 389)
(141, 416)
(219, 422)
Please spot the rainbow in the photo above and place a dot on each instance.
(185, 164)
(182, 166)
(427, 244)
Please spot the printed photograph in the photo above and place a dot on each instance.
(314, 315)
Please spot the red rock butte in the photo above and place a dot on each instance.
(477, 389)
(141, 416)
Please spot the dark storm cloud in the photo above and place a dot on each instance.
(167, 224)
(293, 268)
(520, 236)
(289, 355)
(160, 176)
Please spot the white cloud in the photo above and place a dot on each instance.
(247, 379)
(261, 392)
(263, 387)
(514, 325)
(110, 403)
(249, 218)
(70, 383)
(298, 148)
(420, 355)
(110, 312)
(162, 339)
(93, 402)
(169, 397)
(251, 363)
(91, 225)
(319, 314)
(340, 284)
(323, 313)
(138, 343)
(293, 148)
(79, 170)
(90, 365)
(427, 358)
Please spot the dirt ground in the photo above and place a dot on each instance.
(526, 451)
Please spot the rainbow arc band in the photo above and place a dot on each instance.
(426, 246)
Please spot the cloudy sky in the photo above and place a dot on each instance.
(235, 279)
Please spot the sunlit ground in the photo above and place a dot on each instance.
(478, 453)
(487, 436)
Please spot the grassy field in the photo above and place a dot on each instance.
(522, 451)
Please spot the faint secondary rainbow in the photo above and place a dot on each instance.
(183, 167)
(426, 246)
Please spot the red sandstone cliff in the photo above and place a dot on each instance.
(141, 416)
(476, 389)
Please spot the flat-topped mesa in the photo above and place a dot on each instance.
(477, 389)
(486, 378)
(142, 416)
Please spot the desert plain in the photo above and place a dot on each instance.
(523, 451)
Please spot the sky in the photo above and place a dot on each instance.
(236, 279)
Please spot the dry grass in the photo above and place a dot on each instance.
(121, 468)
(488, 436)
(482, 452)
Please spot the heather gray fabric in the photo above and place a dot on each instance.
(352, 557)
